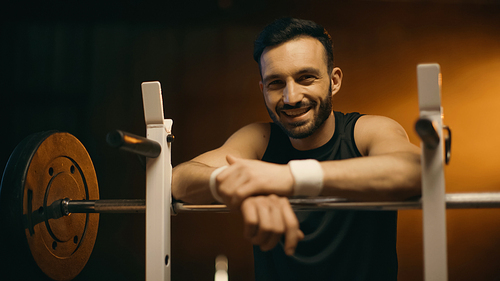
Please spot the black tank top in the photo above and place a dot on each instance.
(338, 245)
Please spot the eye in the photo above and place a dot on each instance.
(275, 84)
(307, 79)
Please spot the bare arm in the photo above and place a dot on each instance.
(390, 172)
(266, 218)
(190, 179)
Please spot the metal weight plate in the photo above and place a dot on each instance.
(44, 168)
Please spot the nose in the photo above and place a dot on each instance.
(292, 94)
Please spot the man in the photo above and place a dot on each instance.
(308, 150)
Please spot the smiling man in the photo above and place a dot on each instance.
(298, 88)
(308, 150)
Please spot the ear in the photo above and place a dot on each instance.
(261, 86)
(336, 80)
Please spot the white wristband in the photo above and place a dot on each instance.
(308, 176)
(213, 183)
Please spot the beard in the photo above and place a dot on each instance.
(304, 129)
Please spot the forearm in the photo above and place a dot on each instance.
(190, 182)
(389, 177)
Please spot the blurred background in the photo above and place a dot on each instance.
(77, 66)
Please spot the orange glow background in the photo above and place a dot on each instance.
(378, 47)
(83, 76)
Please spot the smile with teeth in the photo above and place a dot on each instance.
(296, 111)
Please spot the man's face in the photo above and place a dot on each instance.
(296, 85)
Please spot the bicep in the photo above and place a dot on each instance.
(377, 135)
(248, 142)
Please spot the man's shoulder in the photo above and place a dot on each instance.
(367, 124)
(251, 140)
(372, 129)
(376, 120)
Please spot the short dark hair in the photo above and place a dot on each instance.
(285, 29)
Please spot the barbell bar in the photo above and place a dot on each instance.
(481, 200)
(54, 167)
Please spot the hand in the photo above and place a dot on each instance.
(267, 218)
(244, 178)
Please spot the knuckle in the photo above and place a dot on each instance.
(239, 193)
(274, 198)
(279, 230)
(274, 229)
(260, 200)
(251, 222)
(284, 201)
(265, 228)
(246, 204)
(294, 224)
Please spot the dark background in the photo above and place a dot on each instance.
(77, 66)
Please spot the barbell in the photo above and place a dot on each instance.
(50, 198)
(47, 187)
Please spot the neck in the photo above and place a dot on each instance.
(320, 137)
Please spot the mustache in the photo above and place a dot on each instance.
(300, 104)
